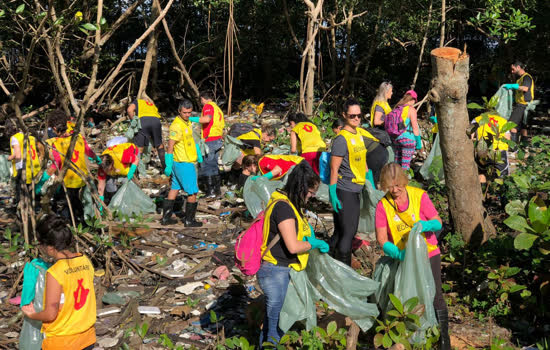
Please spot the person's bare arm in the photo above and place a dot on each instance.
(171, 144)
(378, 118)
(16, 153)
(288, 233)
(382, 235)
(257, 151)
(293, 142)
(414, 120)
(335, 163)
(131, 110)
(276, 171)
(101, 186)
(51, 309)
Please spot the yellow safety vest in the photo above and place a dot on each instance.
(310, 137)
(70, 127)
(255, 134)
(32, 161)
(357, 154)
(289, 158)
(116, 152)
(185, 149)
(385, 106)
(147, 109)
(303, 231)
(520, 95)
(216, 124)
(61, 144)
(486, 131)
(367, 134)
(401, 224)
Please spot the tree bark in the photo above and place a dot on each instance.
(151, 52)
(442, 35)
(424, 40)
(450, 73)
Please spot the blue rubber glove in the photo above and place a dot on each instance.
(336, 205)
(317, 243)
(43, 179)
(418, 140)
(370, 178)
(268, 176)
(254, 178)
(194, 119)
(169, 160)
(511, 86)
(131, 172)
(199, 154)
(392, 251)
(101, 206)
(433, 119)
(429, 225)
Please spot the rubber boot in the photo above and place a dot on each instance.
(443, 320)
(514, 136)
(190, 211)
(210, 189)
(217, 184)
(167, 211)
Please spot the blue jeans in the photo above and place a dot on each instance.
(209, 165)
(274, 281)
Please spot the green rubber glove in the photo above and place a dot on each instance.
(131, 172)
(169, 160)
(418, 140)
(317, 244)
(101, 206)
(511, 86)
(334, 201)
(98, 160)
(392, 251)
(194, 119)
(43, 179)
(429, 225)
(268, 176)
(433, 119)
(199, 154)
(370, 178)
(312, 231)
(254, 178)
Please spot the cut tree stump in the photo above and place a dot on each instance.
(450, 73)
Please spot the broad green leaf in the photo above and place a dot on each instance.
(410, 304)
(229, 343)
(378, 340)
(284, 339)
(473, 105)
(544, 186)
(508, 126)
(517, 223)
(414, 318)
(522, 181)
(516, 288)
(89, 26)
(511, 271)
(386, 341)
(102, 21)
(536, 213)
(20, 8)
(2, 12)
(394, 336)
(525, 294)
(394, 313)
(331, 328)
(524, 241)
(492, 102)
(401, 328)
(244, 342)
(396, 303)
(515, 207)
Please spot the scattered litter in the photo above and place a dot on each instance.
(108, 311)
(188, 288)
(149, 310)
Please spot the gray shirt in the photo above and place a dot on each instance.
(345, 175)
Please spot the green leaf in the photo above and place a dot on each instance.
(396, 303)
(508, 126)
(394, 336)
(410, 304)
(524, 241)
(473, 105)
(2, 12)
(525, 294)
(213, 317)
(102, 21)
(378, 340)
(20, 8)
(401, 328)
(414, 318)
(522, 181)
(516, 288)
(511, 271)
(517, 223)
(89, 26)
(386, 341)
(393, 313)
(515, 207)
(331, 328)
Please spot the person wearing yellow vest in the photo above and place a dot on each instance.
(34, 151)
(213, 123)
(380, 107)
(285, 222)
(181, 157)
(254, 139)
(69, 313)
(311, 143)
(525, 93)
(398, 212)
(151, 127)
(118, 160)
(348, 172)
(73, 182)
(498, 157)
(275, 166)
(409, 141)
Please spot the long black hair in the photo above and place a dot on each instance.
(53, 231)
(300, 181)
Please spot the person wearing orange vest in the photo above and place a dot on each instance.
(275, 166)
(151, 127)
(525, 93)
(213, 123)
(402, 209)
(73, 181)
(311, 144)
(69, 313)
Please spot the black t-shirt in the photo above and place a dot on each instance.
(242, 180)
(250, 144)
(527, 81)
(281, 211)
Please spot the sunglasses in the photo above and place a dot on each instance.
(353, 116)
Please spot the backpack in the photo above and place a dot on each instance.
(248, 246)
(393, 123)
(239, 129)
(381, 135)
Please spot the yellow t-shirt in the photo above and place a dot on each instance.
(147, 109)
(73, 327)
(310, 137)
(185, 149)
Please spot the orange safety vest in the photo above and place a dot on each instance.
(214, 129)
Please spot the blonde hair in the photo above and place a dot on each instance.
(404, 100)
(392, 172)
(382, 90)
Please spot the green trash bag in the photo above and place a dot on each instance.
(530, 107)
(133, 128)
(231, 151)
(433, 166)
(30, 337)
(337, 284)
(505, 102)
(87, 203)
(5, 165)
(369, 200)
(391, 155)
(282, 149)
(322, 193)
(256, 193)
(130, 200)
(410, 278)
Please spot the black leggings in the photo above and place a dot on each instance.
(439, 301)
(151, 130)
(346, 221)
(376, 159)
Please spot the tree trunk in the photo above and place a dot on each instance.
(450, 73)
(442, 35)
(151, 53)
(424, 40)
(348, 51)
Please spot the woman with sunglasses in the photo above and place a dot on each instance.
(348, 171)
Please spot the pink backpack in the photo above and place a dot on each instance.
(393, 123)
(248, 246)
